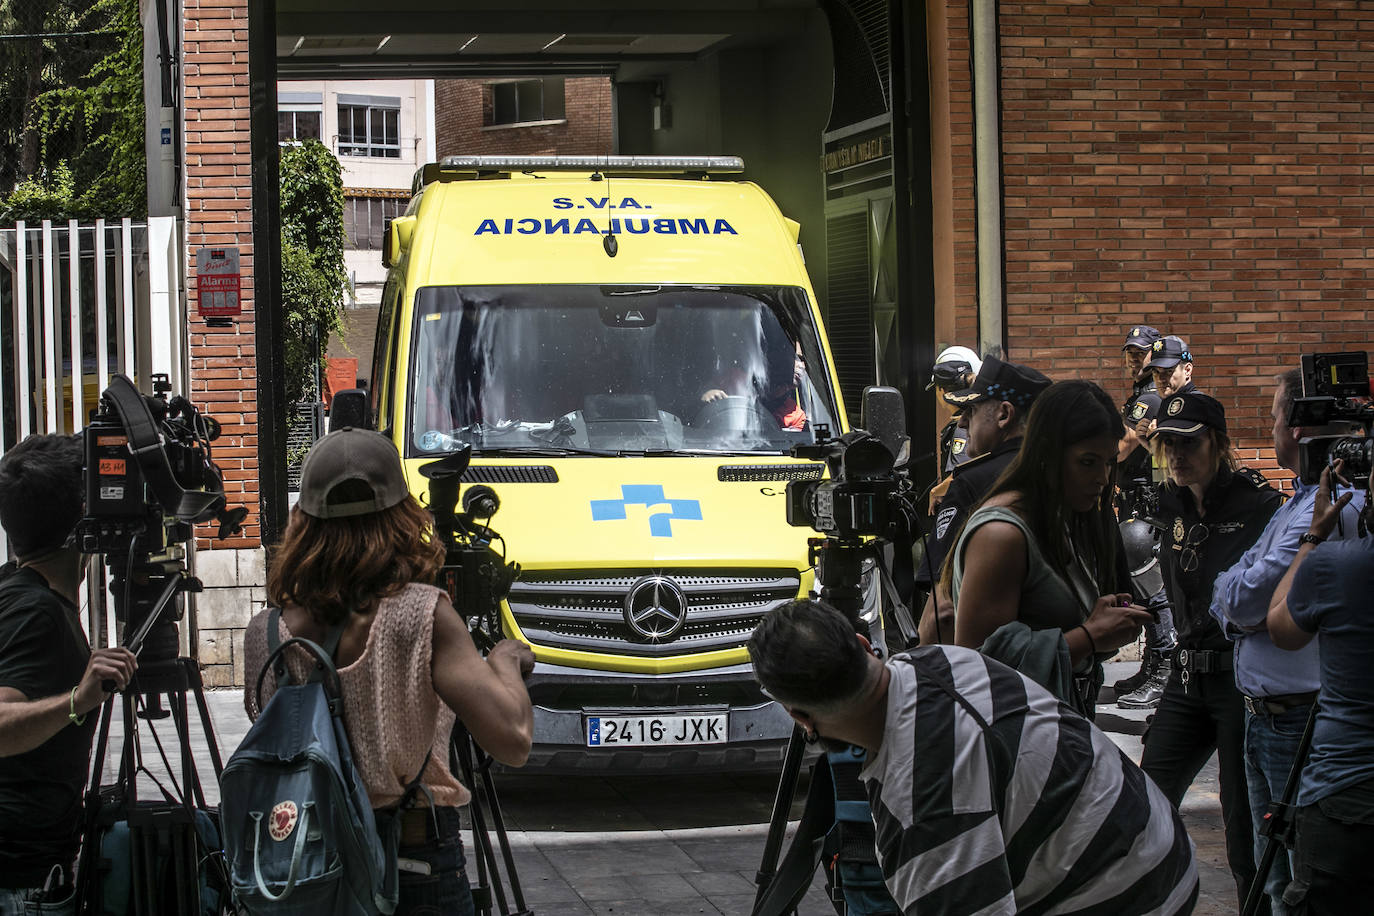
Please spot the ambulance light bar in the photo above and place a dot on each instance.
(595, 163)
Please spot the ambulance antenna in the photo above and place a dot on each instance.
(608, 241)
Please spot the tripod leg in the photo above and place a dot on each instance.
(782, 802)
(89, 854)
(198, 686)
(499, 822)
(488, 879)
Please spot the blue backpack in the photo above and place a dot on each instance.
(300, 835)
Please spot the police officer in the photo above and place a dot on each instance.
(1135, 502)
(993, 411)
(955, 369)
(1171, 366)
(1213, 510)
(1133, 456)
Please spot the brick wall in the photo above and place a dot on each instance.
(1198, 165)
(223, 378)
(219, 211)
(459, 117)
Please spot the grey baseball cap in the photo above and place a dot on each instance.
(350, 454)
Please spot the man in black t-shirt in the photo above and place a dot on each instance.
(49, 677)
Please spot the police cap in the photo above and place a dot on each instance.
(1003, 381)
(1190, 413)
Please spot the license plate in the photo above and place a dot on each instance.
(644, 731)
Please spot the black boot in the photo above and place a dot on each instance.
(1149, 693)
(1131, 684)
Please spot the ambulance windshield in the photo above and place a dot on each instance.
(631, 369)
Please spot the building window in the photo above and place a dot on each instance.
(521, 101)
(370, 130)
(365, 220)
(298, 125)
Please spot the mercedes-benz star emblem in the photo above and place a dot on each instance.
(656, 608)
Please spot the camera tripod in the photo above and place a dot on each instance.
(471, 762)
(158, 855)
(839, 564)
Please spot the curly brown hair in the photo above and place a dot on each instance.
(332, 567)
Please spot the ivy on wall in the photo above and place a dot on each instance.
(312, 262)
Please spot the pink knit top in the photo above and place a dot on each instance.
(391, 711)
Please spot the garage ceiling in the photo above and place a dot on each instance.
(369, 38)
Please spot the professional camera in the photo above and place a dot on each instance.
(1335, 395)
(864, 496)
(149, 479)
(474, 574)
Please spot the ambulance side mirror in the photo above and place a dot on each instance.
(350, 408)
(884, 418)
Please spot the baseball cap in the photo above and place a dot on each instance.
(1004, 381)
(1168, 352)
(351, 454)
(952, 365)
(1190, 413)
(1142, 337)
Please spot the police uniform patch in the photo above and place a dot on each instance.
(1157, 345)
(1178, 530)
(943, 521)
(1176, 408)
(1138, 411)
(958, 446)
(1256, 479)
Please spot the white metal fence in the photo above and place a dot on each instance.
(78, 303)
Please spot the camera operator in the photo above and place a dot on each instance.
(49, 677)
(1325, 592)
(988, 795)
(993, 410)
(1279, 687)
(358, 556)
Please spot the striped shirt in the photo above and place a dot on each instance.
(1040, 814)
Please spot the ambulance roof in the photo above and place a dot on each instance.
(551, 228)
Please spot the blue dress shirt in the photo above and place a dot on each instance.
(1240, 600)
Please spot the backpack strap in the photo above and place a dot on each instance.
(273, 642)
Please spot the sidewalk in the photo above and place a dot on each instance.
(649, 846)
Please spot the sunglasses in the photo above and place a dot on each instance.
(1190, 556)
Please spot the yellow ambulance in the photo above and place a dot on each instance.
(631, 347)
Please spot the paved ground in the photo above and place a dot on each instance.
(651, 846)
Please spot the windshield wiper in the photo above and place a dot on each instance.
(543, 451)
(714, 452)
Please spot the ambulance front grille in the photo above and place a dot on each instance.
(560, 610)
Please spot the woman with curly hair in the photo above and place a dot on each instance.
(355, 566)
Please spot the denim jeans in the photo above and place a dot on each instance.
(1271, 745)
(19, 902)
(444, 891)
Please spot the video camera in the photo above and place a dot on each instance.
(1335, 395)
(866, 494)
(149, 479)
(861, 498)
(474, 574)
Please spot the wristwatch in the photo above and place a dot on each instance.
(1310, 538)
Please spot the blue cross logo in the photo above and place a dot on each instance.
(660, 523)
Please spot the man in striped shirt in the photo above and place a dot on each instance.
(989, 796)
